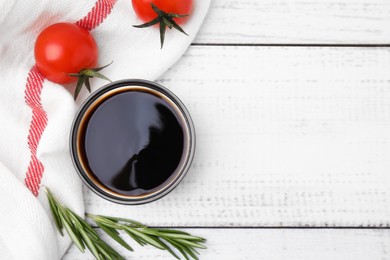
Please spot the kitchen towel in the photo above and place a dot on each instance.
(36, 114)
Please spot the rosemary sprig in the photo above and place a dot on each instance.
(164, 239)
(83, 235)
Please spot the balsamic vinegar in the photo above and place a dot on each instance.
(133, 142)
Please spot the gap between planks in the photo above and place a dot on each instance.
(268, 228)
(320, 45)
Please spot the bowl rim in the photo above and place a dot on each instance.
(75, 127)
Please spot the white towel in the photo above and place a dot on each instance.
(36, 114)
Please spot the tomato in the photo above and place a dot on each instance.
(145, 12)
(64, 48)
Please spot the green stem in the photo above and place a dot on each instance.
(165, 20)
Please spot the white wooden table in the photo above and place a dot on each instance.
(291, 103)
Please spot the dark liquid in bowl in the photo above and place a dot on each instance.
(132, 142)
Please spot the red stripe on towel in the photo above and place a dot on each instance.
(33, 90)
(38, 123)
(98, 13)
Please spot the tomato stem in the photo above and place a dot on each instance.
(165, 20)
(84, 75)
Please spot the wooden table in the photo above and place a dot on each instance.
(291, 103)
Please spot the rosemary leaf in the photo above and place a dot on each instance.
(136, 239)
(88, 242)
(162, 230)
(75, 238)
(183, 236)
(57, 219)
(189, 250)
(178, 247)
(168, 249)
(104, 252)
(146, 238)
(190, 243)
(103, 221)
(109, 249)
(114, 235)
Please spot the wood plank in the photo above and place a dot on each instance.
(285, 137)
(275, 244)
(295, 21)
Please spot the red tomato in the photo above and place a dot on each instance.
(144, 10)
(64, 48)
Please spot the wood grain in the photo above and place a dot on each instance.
(295, 21)
(253, 244)
(285, 137)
